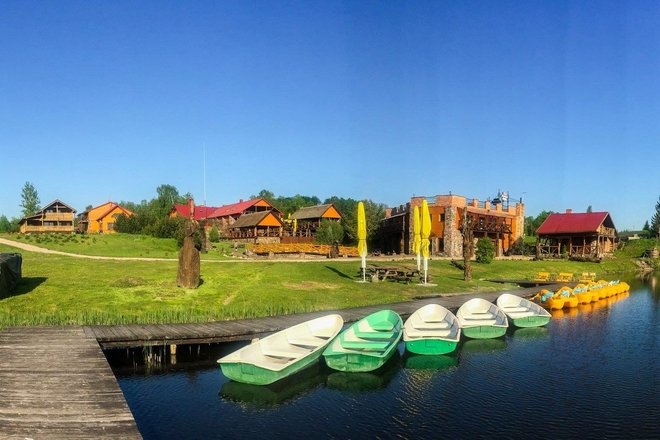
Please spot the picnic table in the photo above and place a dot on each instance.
(394, 273)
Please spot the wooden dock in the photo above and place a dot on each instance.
(125, 336)
(55, 383)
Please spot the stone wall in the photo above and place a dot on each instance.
(453, 238)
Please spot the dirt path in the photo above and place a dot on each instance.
(41, 250)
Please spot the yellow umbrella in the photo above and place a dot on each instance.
(417, 238)
(425, 233)
(295, 226)
(362, 238)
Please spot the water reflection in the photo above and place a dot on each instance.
(360, 382)
(425, 362)
(483, 345)
(531, 333)
(275, 394)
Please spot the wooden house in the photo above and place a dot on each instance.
(57, 216)
(256, 225)
(101, 219)
(589, 234)
(308, 219)
(225, 216)
(199, 212)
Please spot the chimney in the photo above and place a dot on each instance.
(240, 201)
(569, 211)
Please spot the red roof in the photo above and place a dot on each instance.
(569, 223)
(237, 208)
(201, 211)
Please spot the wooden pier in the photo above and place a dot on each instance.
(55, 383)
(126, 336)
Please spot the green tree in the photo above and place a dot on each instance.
(5, 225)
(329, 232)
(485, 251)
(167, 196)
(655, 220)
(30, 200)
(214, 235)
(539, 219)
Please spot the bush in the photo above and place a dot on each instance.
(485, 251)
(329, 232)
(214, 235)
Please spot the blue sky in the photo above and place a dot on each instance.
(556, 102)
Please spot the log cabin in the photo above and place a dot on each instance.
(101, 219)
(57, 216)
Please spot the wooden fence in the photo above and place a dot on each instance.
(301, 248)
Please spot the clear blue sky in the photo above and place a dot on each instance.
(557, 102)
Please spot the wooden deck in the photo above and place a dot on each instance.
(55, 383)
(124, 336)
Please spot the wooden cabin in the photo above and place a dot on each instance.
(101, 219)
(308, 219)
(57, 216)
(257, 224)
(199, 212)
(589, 234)
(225, 216)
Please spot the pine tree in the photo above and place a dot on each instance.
(30, 200)
(655, 220)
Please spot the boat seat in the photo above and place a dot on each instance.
(374, 335)
(426, 325)
(414, 333)
(365, 345)
(309, 341)
(479, 316)
(511, 309)
(282, 353)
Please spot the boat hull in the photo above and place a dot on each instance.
(358, 362)
(484, 332)
(249, 373)
(531, 321)
(431, 346)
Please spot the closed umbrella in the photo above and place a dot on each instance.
(425, 233)
(362, 238)
(417, 238)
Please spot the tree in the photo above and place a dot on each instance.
(646, 227)
(329, 232)
(485, 250)
(214, 235)
(167, 196)
(30, 200)
(468, 245)
(655, 220)
(5, 225)
(589, 209)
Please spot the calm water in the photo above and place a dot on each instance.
(592, 373)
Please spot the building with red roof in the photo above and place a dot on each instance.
(584, 234)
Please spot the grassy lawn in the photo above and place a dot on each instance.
(65, 290)
(116, 245)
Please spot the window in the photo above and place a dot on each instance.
(442, 218)
(111, 226)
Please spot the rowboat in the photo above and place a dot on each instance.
(367, 344)
(548, 300)
(432, 329)
(282, 354)
(522, 312)
(480, 319)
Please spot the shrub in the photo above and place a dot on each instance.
(485, 251)
(329, 232)
(214, 235)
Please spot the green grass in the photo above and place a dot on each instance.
(116, 245)
(66, 290)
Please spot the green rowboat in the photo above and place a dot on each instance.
(367, 344)
(281, 354)
(522, 312)
(481, 319)
(432, 329)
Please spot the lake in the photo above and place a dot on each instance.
(592, 373)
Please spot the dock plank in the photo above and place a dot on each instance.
(55, 383)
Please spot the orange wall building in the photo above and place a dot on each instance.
(101, 219)
(502, 222)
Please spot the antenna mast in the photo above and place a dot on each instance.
(204, 148)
